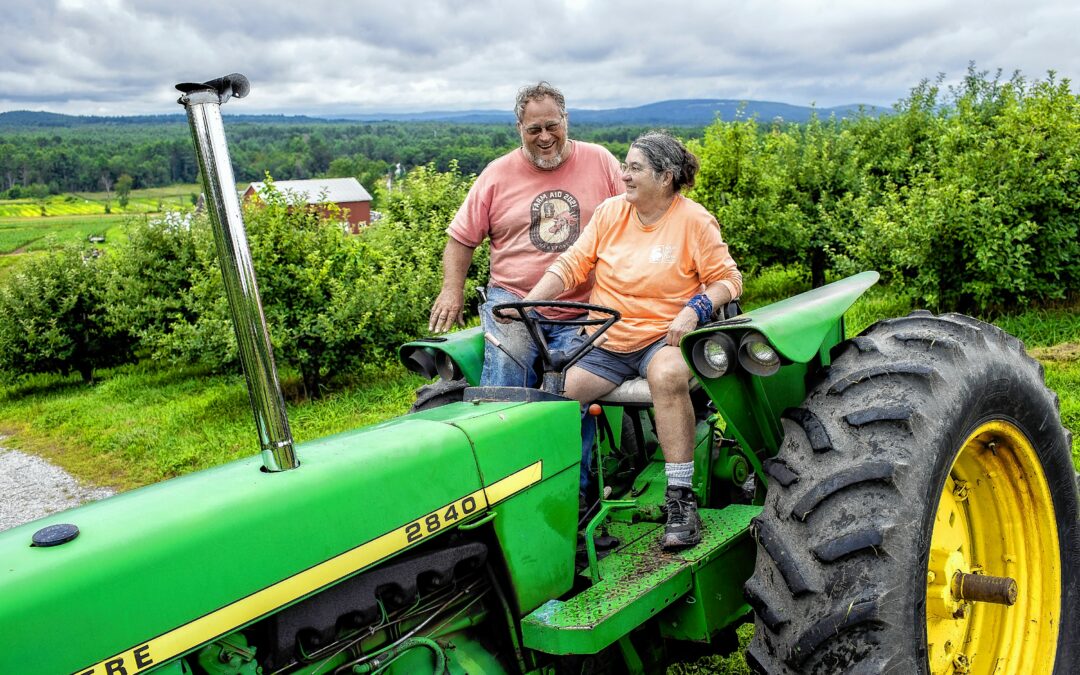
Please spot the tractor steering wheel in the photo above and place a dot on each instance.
(561, 361)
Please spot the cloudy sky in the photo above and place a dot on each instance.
(118, 57)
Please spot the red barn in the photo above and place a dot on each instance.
(347, 193)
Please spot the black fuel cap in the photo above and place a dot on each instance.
(54, 535)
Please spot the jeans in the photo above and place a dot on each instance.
(500, 370)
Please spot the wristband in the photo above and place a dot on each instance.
(702, 306)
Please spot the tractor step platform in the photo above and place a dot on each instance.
(636, 582)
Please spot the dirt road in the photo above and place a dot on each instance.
(31, 488)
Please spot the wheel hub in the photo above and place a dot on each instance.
(993, 591)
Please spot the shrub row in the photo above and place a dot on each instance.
(965, 199)
(331, 300)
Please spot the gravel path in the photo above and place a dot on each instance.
(31, 488)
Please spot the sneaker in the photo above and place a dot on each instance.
(683, 526)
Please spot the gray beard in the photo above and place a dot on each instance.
(542, 163)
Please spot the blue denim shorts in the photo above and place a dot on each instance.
(619, 367)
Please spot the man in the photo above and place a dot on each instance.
(531, 203)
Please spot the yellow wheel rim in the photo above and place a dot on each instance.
(995, 518)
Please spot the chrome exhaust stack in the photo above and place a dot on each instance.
(203, 102)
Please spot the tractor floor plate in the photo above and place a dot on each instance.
(637, 582)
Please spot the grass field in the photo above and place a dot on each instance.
(151, 200)
(37, 234)
(73, 218)
(142, 424)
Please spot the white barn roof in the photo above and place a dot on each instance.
(322, 190)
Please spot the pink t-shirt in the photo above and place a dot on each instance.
(532, 215)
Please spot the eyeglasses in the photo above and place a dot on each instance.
(550, 127)
(633, 167)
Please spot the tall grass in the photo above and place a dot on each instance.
(14, 238)
(1043, 327)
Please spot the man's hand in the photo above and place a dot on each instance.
(685, 321)
(500, 317)
(447, 310)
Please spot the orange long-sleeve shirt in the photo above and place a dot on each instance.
(647, 273)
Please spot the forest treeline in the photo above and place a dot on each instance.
(966, 199)
(89, 158)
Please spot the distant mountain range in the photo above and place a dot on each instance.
(679, 113)
(37, 119)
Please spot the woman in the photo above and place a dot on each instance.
(658, 258)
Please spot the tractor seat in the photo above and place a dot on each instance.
(631, 392)
(636, 392)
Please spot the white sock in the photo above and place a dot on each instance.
(679, 474)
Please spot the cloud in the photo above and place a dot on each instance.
(123, 56)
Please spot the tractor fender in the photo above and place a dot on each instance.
(798, 325)
(452, 356)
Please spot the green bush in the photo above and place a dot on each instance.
(307, 269)
(332, 301)
(55, 318)
(987, 217)
(778, 192)
(413, 234)
(965, 200)
(426, 199)
(150, 277)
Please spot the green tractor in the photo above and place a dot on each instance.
(899, 502)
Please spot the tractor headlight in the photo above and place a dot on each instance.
(447, 368)
(420, 361)
(762, 354)
(714, 355)
(757, 356)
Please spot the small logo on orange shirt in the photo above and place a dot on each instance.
(662, 254)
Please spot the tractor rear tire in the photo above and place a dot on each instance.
(930, 457)
(438, 394)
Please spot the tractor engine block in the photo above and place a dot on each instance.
(319, 621)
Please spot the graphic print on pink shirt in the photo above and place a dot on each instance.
(554, 222)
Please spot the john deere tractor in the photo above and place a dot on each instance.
(902, 501)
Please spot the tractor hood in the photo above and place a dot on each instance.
(160, 570)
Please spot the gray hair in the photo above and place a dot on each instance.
(538, 92)
(665, 153)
